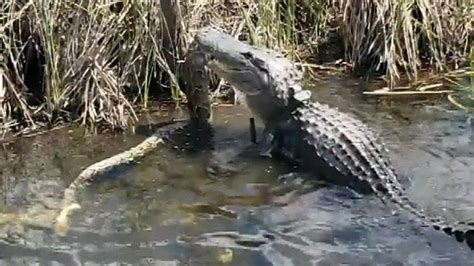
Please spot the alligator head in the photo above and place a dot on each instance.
(259, 73)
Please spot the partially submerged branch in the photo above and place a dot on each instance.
(57, 217)
(54, 215)
(404, 93)
(69, 204)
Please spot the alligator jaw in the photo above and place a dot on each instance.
(234, 60)
(244, 79)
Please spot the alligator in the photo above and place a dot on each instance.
(333, 145)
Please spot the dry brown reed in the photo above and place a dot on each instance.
(404, 37)
(94, 61)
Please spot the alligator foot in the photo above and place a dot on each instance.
(265, 145)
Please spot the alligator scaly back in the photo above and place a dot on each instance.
(342, 149)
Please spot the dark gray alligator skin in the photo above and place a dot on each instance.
(343, 150)
(330, 143)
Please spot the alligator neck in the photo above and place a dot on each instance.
(271, 109)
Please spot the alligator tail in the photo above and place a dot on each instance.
(349, 146)
(459, 231)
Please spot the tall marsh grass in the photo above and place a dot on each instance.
(402, 37)
(99, 58)
(95, 61)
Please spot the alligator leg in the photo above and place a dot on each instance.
(266, 145)
(276, 135)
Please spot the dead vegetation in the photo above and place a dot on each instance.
(96, 61)
(405, 37)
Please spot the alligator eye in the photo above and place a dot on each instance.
(247, 55)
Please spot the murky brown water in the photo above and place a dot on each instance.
(192, 204)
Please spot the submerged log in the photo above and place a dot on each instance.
(88, 175)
